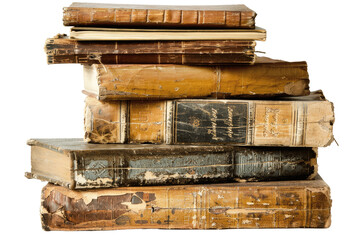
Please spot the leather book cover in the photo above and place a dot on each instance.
(160, 16)
(266, 78)
(276, 204)
(78, 165)
(61, 49)
(296, 122)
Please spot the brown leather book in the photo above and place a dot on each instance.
(61, 49)
(267, 77)
(296, 122)
(279, 204)
(78, 165)
(216, 16)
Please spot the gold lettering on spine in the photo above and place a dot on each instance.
(271, 122)
(213, 120)
(229, 122)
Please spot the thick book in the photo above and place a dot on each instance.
(159, 16)
(78, 165)
(296, 122)
(267, 77)
(61, 49)
(126, 34)
(276, 204)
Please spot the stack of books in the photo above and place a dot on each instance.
(185, 127)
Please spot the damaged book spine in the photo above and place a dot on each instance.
(115, 165)
(158, 16)
(64, 50)
(265, 78)
(276, 204)
(292, 123)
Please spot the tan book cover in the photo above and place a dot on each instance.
(267, 77)
(277, 204)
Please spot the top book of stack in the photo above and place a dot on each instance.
(159, 16)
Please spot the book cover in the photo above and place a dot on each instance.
(62, 49)
(216, 16)
(78, 165)
(266, 78)
(277, 204)
(296, 122)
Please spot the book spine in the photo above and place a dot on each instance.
(185, 59)
(73, 16)
(217, 206)
(207, 165)
(254, 122)
(240, 122)
(154, 168)
(167, 81)
(60, 50)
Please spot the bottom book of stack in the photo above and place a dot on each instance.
(117, 186)
(275, 204)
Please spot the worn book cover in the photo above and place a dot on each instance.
(267, 77)
(159, 16)
(276, 204)
(77, 165)
(296, 122)
(62, 49)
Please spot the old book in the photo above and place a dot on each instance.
(75, 164)
(299, 121)
(267, 77)
(61, 49)
(216, 16)
(126, 34)
(278, 204)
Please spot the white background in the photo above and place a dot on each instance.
(45, 101)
